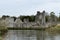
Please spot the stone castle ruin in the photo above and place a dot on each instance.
(39, 21)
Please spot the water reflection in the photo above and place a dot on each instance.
(30, 35)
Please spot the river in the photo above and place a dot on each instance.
(30, 35)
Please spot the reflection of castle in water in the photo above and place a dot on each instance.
(29, 35)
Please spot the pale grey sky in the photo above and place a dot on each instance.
(28, 7)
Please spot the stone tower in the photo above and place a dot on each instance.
(43, 17)
(40, 17)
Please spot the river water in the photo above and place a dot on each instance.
(30, 35)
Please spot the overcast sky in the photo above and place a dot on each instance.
(28, 7)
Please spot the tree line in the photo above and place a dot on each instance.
(32, 17)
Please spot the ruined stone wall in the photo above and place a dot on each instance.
(9, 22)
(39, 20)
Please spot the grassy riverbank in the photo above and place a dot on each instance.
(54, 29)
(3, 28)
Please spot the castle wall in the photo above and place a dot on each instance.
(9, 22)
(40, 20)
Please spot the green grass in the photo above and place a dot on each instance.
(3, 28)
(1, 38)
(55, 29)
